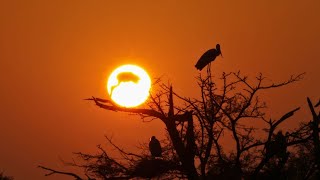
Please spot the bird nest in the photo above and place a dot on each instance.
(149, 168)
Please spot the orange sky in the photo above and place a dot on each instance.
(55, 53)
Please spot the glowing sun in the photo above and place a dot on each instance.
(129, 85)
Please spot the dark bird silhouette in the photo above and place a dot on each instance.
(277, 147)
(208, 57)
(125, 77)
(155, 147)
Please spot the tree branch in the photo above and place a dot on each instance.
(114, 107)
(52, 171)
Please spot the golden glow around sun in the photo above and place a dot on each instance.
(129, 85)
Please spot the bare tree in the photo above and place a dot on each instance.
(315, 135)
(228, 107)
(227, 111)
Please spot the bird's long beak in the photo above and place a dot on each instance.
(221, 54)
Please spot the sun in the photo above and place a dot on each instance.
(129, 85)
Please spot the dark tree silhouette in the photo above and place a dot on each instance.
(315, 136)
(229, 108)
(4, 177)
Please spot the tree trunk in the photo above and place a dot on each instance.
(187, 161)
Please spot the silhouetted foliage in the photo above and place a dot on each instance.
(4, 177)
(228, 107)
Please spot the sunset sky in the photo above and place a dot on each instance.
(55, 53)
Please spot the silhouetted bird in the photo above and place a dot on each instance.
(155, 147)
(125, 77)
(208, 57)
(277, 147)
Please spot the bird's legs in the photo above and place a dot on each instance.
(209, 72)
(210, 80)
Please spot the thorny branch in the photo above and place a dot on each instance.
(220, 110)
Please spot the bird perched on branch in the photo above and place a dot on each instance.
(208, 57)
(155, 147)
(277, 147)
